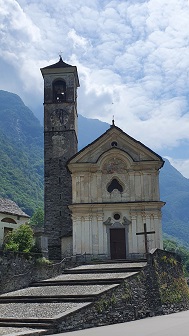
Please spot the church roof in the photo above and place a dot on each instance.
(119, 130)
(59, 64)
(9, 207)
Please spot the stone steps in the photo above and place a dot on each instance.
(26, 323)
(21, 331)
(77, 282)
(54, 299)
(44, 304)
(103, 270)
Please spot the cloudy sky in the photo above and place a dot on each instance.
(132, 58)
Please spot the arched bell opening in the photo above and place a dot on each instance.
(59, 91)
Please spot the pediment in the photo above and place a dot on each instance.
(118, 144)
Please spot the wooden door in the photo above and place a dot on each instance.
(117, 244)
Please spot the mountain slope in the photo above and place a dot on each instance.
(21, 165)
(21, 152)
(174, 189)
(89, 130)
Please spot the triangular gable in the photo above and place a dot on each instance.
(135, 150)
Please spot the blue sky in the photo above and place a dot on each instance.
(132, 58)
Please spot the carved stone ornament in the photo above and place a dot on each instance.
(114, 165)
(126, 221)
(108, 221)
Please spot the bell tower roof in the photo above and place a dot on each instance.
(60, 66)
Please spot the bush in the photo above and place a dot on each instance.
(20, 240)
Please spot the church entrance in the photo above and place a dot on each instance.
(117, 243)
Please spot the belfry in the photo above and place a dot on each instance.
(60, 144)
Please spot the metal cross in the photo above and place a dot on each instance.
(145, 233)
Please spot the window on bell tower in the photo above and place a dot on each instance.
(59, 91)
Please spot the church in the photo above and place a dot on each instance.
(104, 200)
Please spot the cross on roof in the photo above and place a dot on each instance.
(145, 233)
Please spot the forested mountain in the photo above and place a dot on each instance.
(21, 153)
(21, 165)
(174, 188)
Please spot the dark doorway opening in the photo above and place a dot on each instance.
(117, 243)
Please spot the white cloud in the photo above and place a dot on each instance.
(132, 53)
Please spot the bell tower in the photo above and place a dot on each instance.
(60, 144)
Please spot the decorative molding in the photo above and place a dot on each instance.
(108, 221)
(126, 221)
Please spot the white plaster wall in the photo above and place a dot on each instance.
(92, 187)
(21, 220)
(90, 234)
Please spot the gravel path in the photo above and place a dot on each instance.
(58, 290)
(92, 276)
(17, 331)
(37, 310)
(118, 265)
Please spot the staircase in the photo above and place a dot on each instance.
(45, 305)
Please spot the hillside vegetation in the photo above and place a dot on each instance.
(21, 167)
(21, 152)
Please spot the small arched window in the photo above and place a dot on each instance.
(8, 220)
(59, 91)
(115, 185)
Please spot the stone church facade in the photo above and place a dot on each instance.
(103, 200)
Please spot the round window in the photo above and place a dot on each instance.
(114, 144)
(117, 216)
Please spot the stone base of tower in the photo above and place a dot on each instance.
(66, 246)
(62, 248)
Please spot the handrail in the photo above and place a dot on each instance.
(64, 259)
(51, 265)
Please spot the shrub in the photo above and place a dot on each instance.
(20, 240)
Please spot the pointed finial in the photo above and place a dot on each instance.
(113, 122)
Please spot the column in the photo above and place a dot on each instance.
(86, 235)
(100, 234)
(134, 237)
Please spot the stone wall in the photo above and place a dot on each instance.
(171, 286)
(17, 270)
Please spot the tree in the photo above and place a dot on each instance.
(20, 240)
(37, 220)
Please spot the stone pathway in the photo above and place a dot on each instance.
(111, 265)
(20, 331)
(90, 276)
(59, 290)
(35, 310)
(30, 310)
